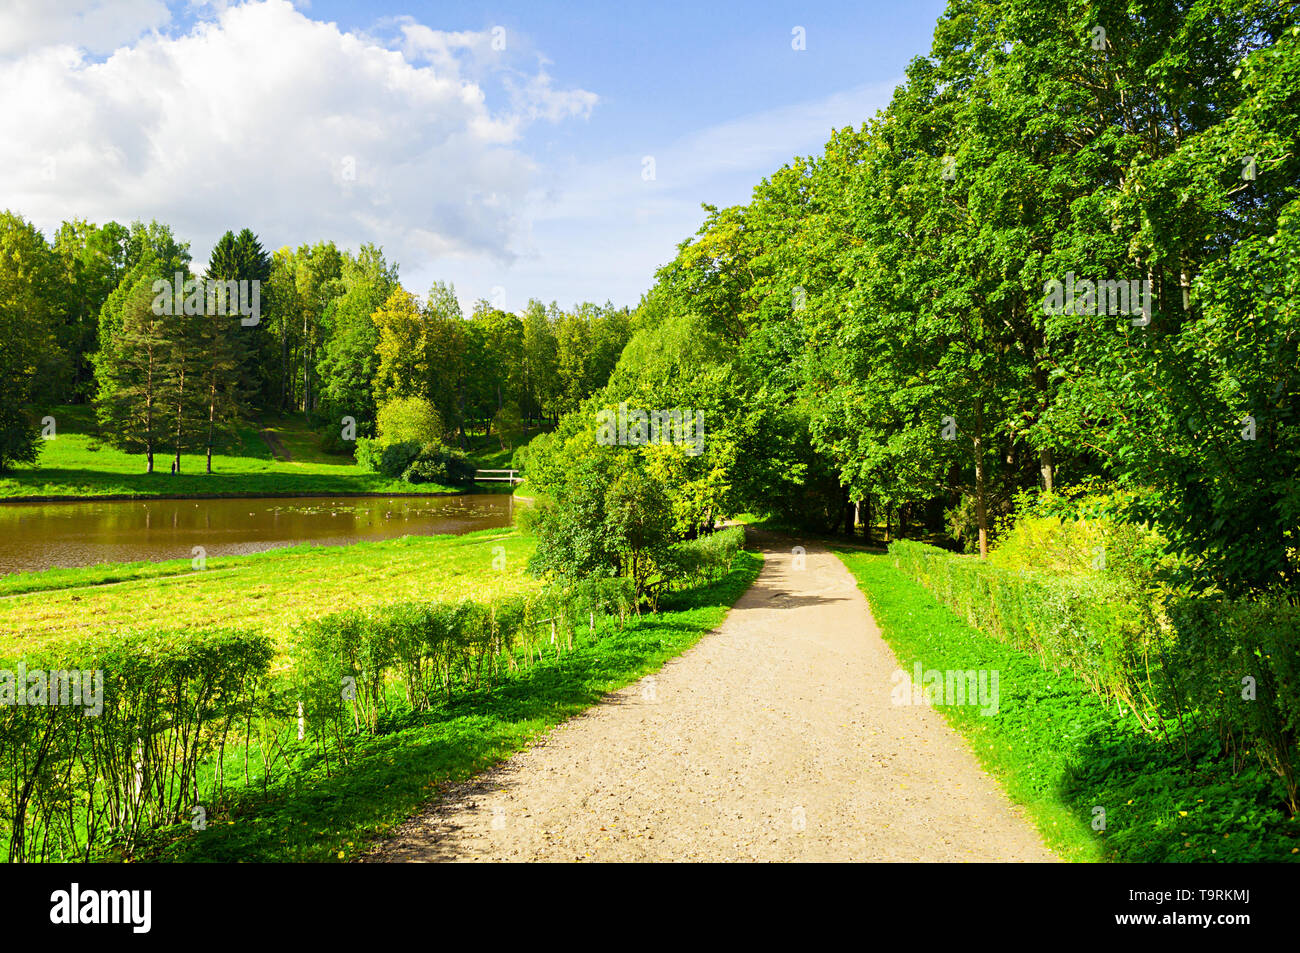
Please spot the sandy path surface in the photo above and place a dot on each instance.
(773, 739)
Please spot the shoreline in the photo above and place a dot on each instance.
(129, 497)
(241, 495)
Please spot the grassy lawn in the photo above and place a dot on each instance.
(268, 591)
(1059, 751)
(78, 462)
(312, 812)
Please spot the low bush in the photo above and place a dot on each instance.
(1200, 661)
(117, 749)
(386, 459)
(440, 465)
(705, 557)
(75, 784)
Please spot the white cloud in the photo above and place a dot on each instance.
(420, 142)
(538, 99)
(263, 117)
(597, 229)
(95, 25)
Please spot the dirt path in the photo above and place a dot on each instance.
(277, 447)
(773, 739)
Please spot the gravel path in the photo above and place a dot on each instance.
(773, 739)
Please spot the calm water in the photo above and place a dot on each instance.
(35, 536)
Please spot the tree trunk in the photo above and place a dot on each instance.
(1047, 467)
(284, 366)
(306, 365)
(212, 418)
(180, 418)
(981, 509)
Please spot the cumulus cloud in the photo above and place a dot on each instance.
(266, 118)
(98, 26)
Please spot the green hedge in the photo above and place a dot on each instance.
(1089, 625)
(344, 663)
(128, 758)
(699, 560)
(1175, 667)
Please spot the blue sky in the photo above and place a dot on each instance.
(500, 146)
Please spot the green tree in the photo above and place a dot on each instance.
(28, 320)
(349, 361)
(131, 403)
(409, 419)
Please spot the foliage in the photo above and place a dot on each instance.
(1230, 664)
(409, 419)
(1061, 752)
(387, 459)
(128, 758)
(442, 466)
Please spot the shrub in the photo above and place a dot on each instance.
(166, 702)
(1091, 625)
(440, 465)
(409, 420)
(706, 557)
(386, 459)
(1235, 664)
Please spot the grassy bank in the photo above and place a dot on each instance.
(79, 463)
(1061, 752)
(319, 810)
(268, 591)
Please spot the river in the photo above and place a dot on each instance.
(37, 536)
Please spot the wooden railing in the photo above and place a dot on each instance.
(496, 476)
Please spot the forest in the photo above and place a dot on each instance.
(336, 337)
(883, 336)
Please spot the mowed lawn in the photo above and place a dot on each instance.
(269, 591)
(78, 462)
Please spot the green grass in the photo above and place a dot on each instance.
(1059, 751)
(486, 453)
(268, 591)
(314, 814)
(78, 462)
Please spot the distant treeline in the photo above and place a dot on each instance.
(84, 319)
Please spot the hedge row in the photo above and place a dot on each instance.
(706, 557)
(116, 747)
(344, 664)
(1193, 662)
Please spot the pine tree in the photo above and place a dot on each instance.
(224, 344)
(131, 375)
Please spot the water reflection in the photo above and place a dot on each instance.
(35, 536)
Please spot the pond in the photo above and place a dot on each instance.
(36, 536)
